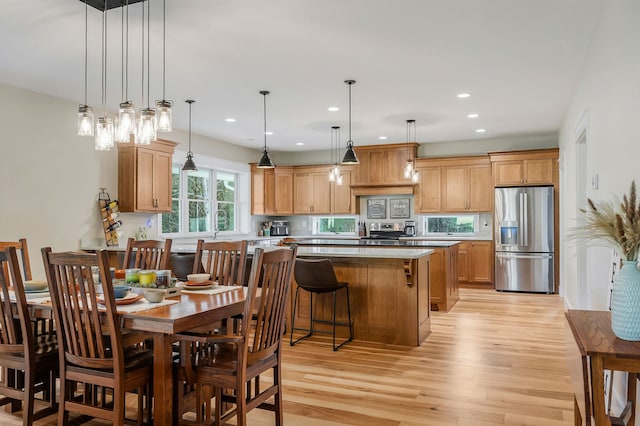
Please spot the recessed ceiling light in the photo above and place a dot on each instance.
(230, 120)
(481, 130)
(333, 109)
(268, 133)
(472, 115)
(464, 95)
(382, 138)
(299, 143)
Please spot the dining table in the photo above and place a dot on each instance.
(189, 310)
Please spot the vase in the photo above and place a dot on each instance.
(625, 302)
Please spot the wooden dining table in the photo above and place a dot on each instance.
(192, 311)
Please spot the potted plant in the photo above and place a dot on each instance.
(619, 224)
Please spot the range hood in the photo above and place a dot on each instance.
(382, 189)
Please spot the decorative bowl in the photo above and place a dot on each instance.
(198, 278)
(120, 291)
(154, 295)
(34, 285)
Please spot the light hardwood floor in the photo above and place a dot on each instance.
(494, 359)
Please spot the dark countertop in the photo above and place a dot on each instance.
(372, 243)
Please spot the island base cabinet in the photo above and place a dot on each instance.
(443, 278)
(389, 301)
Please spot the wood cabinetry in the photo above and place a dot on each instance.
(535, 167)
(454, 185)
(272, 190)
(312, 190)
(144, 177)
(342, 199)
(384, 164)
(443, 278)
(475, 262)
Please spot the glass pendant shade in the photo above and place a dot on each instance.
(163, 110)
(339, 180)
(332, 176)
(146, 127)
(85, 121)
(408, 169)
(104, 134)
(125, 122)
(415, 178)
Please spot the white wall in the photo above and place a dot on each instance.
(51, 177)
(608, 93)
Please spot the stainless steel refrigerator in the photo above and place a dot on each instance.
(524, 239)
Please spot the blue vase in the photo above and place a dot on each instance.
(625, 302)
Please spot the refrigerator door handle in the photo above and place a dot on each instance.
(521, 219)
(525, 214)
(523, 256)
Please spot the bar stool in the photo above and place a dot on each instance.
(318, 276)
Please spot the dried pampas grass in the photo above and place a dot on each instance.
(617, 223)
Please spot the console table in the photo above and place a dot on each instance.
(591, 348)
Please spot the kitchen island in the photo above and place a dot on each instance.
(443, 263)
(388, 289)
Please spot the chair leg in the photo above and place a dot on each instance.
(27, 414)
(334, 320)
(277, 378)
(335, 348)
(306, 336)
(293, 316)
(241, 403)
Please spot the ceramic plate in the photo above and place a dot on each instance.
(41, 290)
(189, 284)
(199, 287)
(127, 300)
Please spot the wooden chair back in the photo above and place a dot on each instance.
(147, 254)
(27, 360)
(274, 271)
(224, 260)
(23, 251)
(82, 322)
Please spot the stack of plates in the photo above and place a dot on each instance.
(199, 286)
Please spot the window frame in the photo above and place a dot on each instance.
(476, 224)
(316, 225)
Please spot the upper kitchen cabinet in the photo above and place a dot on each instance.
(144, 177)
(312, 190)
(518, 168)
(272, 191)
(454, 185)
(342, 199)
(383, 164)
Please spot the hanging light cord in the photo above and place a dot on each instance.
(264, 94)
(142, 61)
(190, 102)
(350, 84)
(164, 46)
(104, 59)
(126, 55)
(148, 50)
(86, 13)
(122, 55)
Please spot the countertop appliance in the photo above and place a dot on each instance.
(279, 228)
(385, 231)
(524, 239)
(410, 228)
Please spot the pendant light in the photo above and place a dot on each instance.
(163, 107)
(189, 165)
(104, 137)
(126, 120)
(350, 155)
(408, 168)
(415, 175)
(334, 173)
(147, 124)
(85, 113)
(265, 161)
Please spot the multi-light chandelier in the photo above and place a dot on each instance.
(150, 120)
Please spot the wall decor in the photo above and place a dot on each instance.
(399, 208)
(377, 208)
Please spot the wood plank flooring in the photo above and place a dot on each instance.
(494, 359)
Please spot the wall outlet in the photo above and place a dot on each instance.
(304, 223)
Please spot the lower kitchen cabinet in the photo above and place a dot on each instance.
(475, 263)
(443, 278)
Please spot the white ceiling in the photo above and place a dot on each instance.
(519, 59)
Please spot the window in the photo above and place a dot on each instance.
(203, 201)
(460, 224)
(335, 225)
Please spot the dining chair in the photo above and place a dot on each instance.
(21, 248)
(223, 260)
(147, 254)
(219, 363)
(317, 276)
(28, 360)
(94, 363)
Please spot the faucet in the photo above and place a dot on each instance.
(225, 218)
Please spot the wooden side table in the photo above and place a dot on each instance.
(591, 348)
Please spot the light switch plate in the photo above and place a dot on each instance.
(594, 181)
